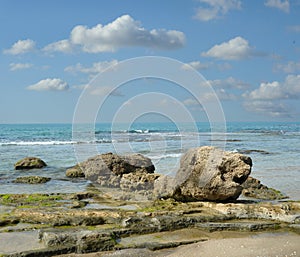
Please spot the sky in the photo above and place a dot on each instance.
(248, 51)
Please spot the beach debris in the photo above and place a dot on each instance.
(30, 163)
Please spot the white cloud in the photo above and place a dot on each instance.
(191, 102)
(235, 49)
(19, 66)
(60, 46)
(282, 5)
(103, 91)
(195, 65)
(122, 32)
(295, 28)
(290, 67)
(229, 83)
(21, 47)
(97, 67)
(289, 89)
(216, 8)
(49, 85)
(268, 108)
(220, 94)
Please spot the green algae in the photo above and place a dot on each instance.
(31, 200)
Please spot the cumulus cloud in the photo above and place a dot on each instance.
(21, 47)
(221, 94)
(195, 65)
(290, 67)
(60, 46)
(19, 66)
(213, 9)
(235, 49)
(282, 5)
(289, 89)
(48, 84)
(269, 108)
(122, 32)
(229, 83)
(96, 67)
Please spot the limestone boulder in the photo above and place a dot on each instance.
(30, 163)
(209, 173)
(108, 169)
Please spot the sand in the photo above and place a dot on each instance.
(262, 245)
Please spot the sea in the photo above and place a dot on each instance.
(273, 146)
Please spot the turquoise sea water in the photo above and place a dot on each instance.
(273, 147)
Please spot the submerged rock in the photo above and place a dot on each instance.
(30, 163)
(209, 173)
(32, 180)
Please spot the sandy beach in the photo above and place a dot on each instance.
(258, 245)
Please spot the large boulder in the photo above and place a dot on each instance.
(30, 163)
(209, 173)
(108, 169)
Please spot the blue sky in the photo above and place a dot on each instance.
(247, 50)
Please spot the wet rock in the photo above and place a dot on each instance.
(254, 189)
(75, 172)
(209, 173)
(30, 163)
(32, 180)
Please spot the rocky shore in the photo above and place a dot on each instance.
(129, 210)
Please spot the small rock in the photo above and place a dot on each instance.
(30, 163)
(75, 172)
(32, 180)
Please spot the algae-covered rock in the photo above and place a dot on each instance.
(32, 180)
(254, 189)
(30, 163)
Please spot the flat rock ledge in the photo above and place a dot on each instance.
(105, 224)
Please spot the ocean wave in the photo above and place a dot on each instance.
(135, 131)
(164, 156)
(34, 143)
